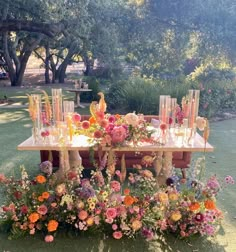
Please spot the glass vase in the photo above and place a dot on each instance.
(193, 96)
(68, 108)
(57, 105)
(164, 108)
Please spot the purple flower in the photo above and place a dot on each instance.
(147, 233)
(46, 167)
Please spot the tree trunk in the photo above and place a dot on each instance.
(47, 67)
(88, 66)
(53, 69)
(11, 70)
(64, 64)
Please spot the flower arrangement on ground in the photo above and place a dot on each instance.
(102, 204)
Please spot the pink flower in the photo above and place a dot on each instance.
(163, 126)
(42, 210)
(117, 235)
(106, 140)
(85, 124)
(118, 173)
(83, 215)
(76, 118)
(114, 227)
(229, 179)
(32, 231)
(111, 213)
(103, 123)
(111, 119)
(97, 134)
(115, 186)
(2, 178)
(118, 134)
(48, 238)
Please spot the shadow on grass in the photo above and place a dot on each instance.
(64, 242)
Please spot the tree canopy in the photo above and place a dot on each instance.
(161, 37)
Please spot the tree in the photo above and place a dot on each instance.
(21, 33)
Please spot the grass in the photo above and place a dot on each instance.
(15, 127)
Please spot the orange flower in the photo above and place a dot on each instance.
(117, 116)
(128, 200)
(126, 191)
(92, 120)
(45, 195)
(210, 204)
(52, 225)
(40, 198)
(40, 179)
(33, 217)
(194, 206)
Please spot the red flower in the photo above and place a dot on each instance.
(18, 195)
(24, 209)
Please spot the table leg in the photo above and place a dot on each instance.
(77, 100)
(64, 165)
(163, 167)
(75, 159)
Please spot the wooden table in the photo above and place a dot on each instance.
(77, 95)
(163, 166)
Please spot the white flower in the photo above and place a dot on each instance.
(200, 123)
(132, 119)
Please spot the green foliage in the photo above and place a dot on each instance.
(142, 95)
(217, 100)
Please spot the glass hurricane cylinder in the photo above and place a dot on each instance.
(164, 108)
(173, 111)
(36, 115)
(193, 96)
(68, 107)
(57, 105)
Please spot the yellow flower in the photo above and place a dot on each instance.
(90, 221)
(91, 206)
(136, 225)
(163, 197)
(105, 194)
(90, 200)
(173, 196)
(175, 216)
(80, 204)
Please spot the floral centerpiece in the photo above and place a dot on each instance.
(114, 130)
(100, 204)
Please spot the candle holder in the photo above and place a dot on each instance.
(164, 108)
(68, 107)
(36, 115)
(57, 105)
(193, 96)
(173, 112)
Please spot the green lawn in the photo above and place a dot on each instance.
(15, 127)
